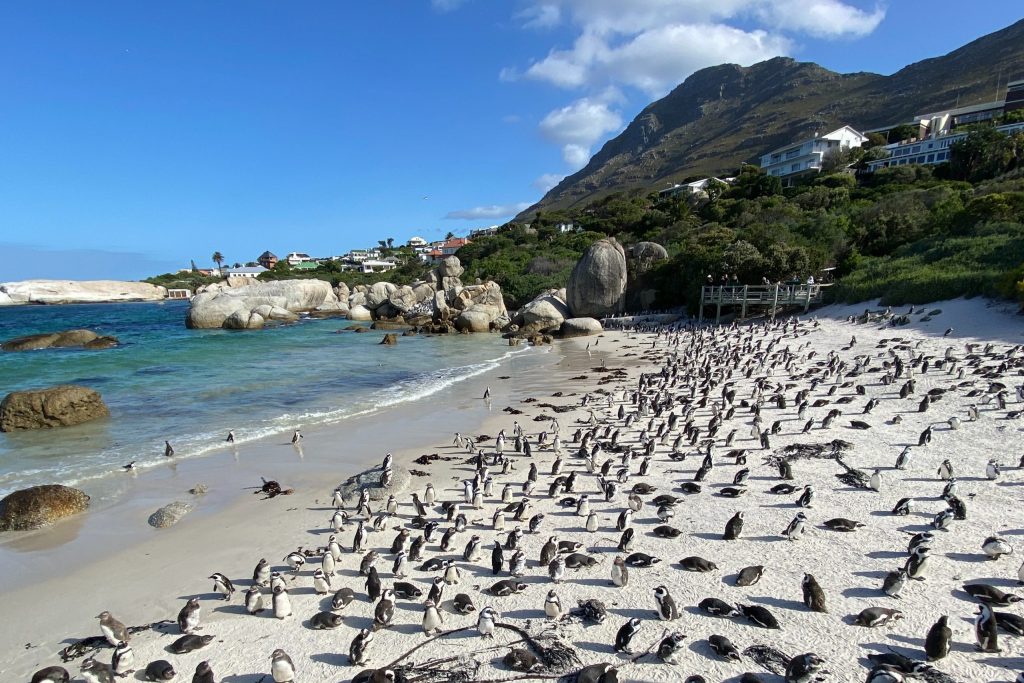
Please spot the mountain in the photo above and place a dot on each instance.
(724, 115)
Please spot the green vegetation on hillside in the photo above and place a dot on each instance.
(907, 234)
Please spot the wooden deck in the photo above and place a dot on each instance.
(745, 296)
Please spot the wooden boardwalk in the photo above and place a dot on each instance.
(745, 296)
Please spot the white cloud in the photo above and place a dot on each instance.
(481, 212)
(821, 18)
(541, 15)
(578, 126)
(547, 181)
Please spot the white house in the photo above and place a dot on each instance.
(416, 242)
(246, 273)
(297, 257)
(806, 156)
(928, 151)
(375, 266)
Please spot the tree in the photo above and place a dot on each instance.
(984, 154)
(875, 140)
(217, 258)
(450, 235)
(391, 243)
(904, 131)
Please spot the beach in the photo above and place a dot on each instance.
(110, 560)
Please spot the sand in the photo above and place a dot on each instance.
(152, 579)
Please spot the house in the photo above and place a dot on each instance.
(563, 228)
(267, 260)
(806, 156)
(305, 265)
(375, 266)
(927, 151)
(416, 242)
(1014, 96)
(245, 273)
(449, 247)
(297, 257)
(179, 293)
(483, 232)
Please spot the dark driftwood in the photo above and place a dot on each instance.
(428, 640)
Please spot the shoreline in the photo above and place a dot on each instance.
(153, 581)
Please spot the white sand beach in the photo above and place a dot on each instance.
(154, 573)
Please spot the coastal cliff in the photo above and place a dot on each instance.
(77, 292)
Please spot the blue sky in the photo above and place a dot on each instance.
(135, 136)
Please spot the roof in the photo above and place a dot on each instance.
(455, 242)
(801, 141)
(246, 269)
(306, 265)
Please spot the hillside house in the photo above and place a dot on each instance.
(806, 156)
(267, 259)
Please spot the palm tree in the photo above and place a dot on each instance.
(218, 258)
(391, 243)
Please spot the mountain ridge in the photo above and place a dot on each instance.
(725, 115)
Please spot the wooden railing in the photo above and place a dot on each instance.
(772, 296)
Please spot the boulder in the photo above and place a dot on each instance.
(244, 320)
(40, 506)
(286, 298)
(399, 324)
(342, 292)
(87, 339)
(77, 292)
(580, 327)
(598, 281)
(58, 406)
(450, 267)
(379, 293)
(359, 312)
(474, 321)
(648, 252)
(545, 312)
(357, 299)
(403, 298)
(440, 311)
(169, 515)
(423, 292)
(389, 339)
(334, 308)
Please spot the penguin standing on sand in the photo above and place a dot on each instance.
(733, 527)
(939, 639)
(814, 596)
(625, 635)
(985, 630)
(282, 605)
(485, 622)
(667, 610)
(112, 629)
(296, 437)
(281, 667)
(552, 605)
(357, 650)
(670, 647)
(620, 574)
(432, 620)
(188, 617)
(123, 661)
(223, 585)
(96, 672)
(253, 600)
(203, 674)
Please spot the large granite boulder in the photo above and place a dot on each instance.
(87, 339)
(77, 292)
(648, 252)
(450, 267)
(244, 320)
(580, 327)
(473, 320)
(378, 293)
(423, 292)
(403, 298)
(40, 506)
(440, 311)
(169, 514)
(342, 292)
(360, 312)
(212, 309)
(545, 312)
(598, 281)
(59, 406)
(357, 298)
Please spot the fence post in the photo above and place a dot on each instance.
(700, 314)
(743, 314)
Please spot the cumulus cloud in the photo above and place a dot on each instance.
(481, 212)
(821, 18)
(547, 181)
(578, 126)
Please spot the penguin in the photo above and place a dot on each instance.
(203, 674)
(452, 575)
(552, 605)
(985, 630)
(625, 635)
(400, 564)
(877, 616)
(992, 470)
(321, 582)
(326, 620)
(282, 605)
(231, 436)
(903, 507)
(894, 582)
(733, 527)
(112, 629)
(945, 470)
(939, 639)
(188, 617)
(667, 610)
(598, 673)
(328, 563)
(296, 437)
(168, 450)
(485, 622)
(429, 496)
(96, 672)
(517, 564)
(620, 574)
(123, 660)
(796, 527)
(592, 522)
(463, 604)
(626, 540)
(995, 547)
(670, 648)
(472, 551)
(432, 620)
(806, 498)
(187, 644)
(295, 560)
(497, 559)
(804, 668)
(357, 650)
(281, 667)
(556, 569)
(748, 576)
(384, 612)
(724, 648)
(157, 670)
(814, 596)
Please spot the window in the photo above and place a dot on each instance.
(794, 167)
(916, 149)
(931, 158)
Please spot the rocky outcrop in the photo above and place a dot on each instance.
(580, 327)
(379, 293)
(545, 312)
(59, 406)
(77, 292)
(598, 281)
(40, 506)
(86, 339)
(360, 312)
(278, 301)
(474, 321)
(647, 253)
(169, 515)
(389, 339)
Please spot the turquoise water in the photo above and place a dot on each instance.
(192, 386)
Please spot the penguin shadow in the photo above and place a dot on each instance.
(885, 555)
(1012, 663)
(916, 528)
(331, 658)
(244, 678)
(600, 648)
(202, 596)
(765, 539)
(961, 594)
(524, 614)
(781, 603)
(407, 629)
(359, 622)
(967, 557)
(781, 505)
(629, 613)
(702, 648)
(594, 581)
(228, 608)
(707, 536)
(918, 644)
(863, 592)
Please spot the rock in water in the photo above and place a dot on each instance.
(77, 292)
(360, 312)
(40, 506)
(87, 339)
(580, 327)
(389, 339)
(598, 281)
(546, 312)
(169, 515)
(243, 306)
(59, 406)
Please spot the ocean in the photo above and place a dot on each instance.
(192, 386)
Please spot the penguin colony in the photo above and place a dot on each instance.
(673, 516)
